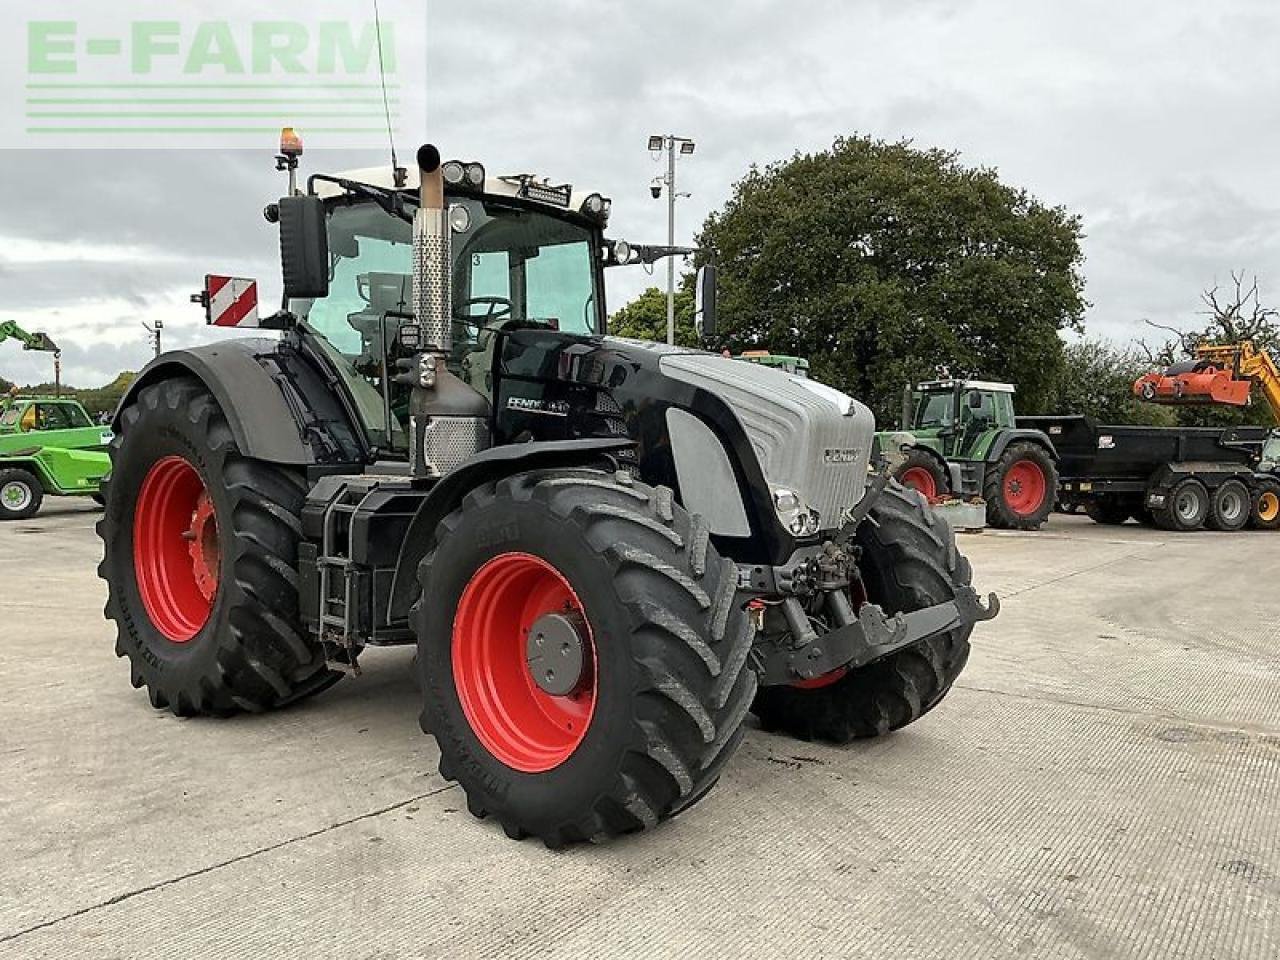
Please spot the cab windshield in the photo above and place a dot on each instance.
(511, 266)
(934, 410)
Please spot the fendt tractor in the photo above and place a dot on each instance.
(962, 439)
(606, 551)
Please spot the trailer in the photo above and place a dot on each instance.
(1177, 478)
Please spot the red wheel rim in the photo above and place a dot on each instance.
(857, 597)
(518, 722)
(1024, 488)
(921, 479)
(176, 552)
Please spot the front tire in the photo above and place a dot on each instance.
(20, 494)
(658, 681)
(1265, 514)
(920, 470)
(909, 561)
(1021, 488)
(200, 561)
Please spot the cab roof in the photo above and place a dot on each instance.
(991, 385)
(494, 186)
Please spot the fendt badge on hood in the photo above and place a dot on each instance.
(840, 455)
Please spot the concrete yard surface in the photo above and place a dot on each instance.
(1104, 781)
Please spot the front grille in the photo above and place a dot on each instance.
(800, 430)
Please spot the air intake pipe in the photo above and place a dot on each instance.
(449, 420)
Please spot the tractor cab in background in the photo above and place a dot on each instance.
(960, 438)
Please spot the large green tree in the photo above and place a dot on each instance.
(881, 262)
(645, 317)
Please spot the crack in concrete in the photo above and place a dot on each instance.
(1068, 576)
(170, 881)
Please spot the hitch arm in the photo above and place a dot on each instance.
(872, 636)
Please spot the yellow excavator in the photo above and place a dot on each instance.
(1218, 374)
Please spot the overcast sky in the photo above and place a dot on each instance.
(1157, 121)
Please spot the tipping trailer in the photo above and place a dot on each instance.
(1178, 478)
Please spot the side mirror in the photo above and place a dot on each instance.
(304, 247)
(704, 307)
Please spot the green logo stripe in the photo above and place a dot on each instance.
(164, 85)
(300, 101)
(181, 129)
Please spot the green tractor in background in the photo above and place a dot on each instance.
(961, 438)
(48, 447)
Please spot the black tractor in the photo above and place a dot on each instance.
(607, 552)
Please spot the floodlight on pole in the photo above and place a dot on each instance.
(670, 144)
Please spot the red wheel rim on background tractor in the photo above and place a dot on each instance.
(176, 552)
(919, 478)
(505, 609)
(1025, 487)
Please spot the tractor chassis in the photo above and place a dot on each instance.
(354, 526)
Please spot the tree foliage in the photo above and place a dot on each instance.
(880, 262)
(1097, 380)
(645, 317)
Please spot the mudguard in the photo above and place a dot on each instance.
(486, 467)
(277, 405)
(1012, 436)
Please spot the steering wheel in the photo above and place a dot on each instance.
(498, 308)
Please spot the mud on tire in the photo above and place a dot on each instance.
(250, 653)
(909, 561)
(671, 680)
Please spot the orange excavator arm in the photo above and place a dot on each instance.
(1220, 373)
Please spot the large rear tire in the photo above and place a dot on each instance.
(1021, 487)
(909, 561)
(655, 685)
(200, 561)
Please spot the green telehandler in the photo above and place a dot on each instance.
(48, 445)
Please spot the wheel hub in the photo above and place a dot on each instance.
(202, 546)
(15, 496)
(555, 652)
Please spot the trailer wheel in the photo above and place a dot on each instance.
(1021, 487)
(582, 654)
(1186, 507)
(1265, 514)
(909, 561)
(1108, 512)
(200, 561)
(20, 494)
(1230, 508)
(921, 471)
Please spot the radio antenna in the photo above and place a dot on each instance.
(397, 172)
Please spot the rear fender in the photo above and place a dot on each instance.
(277, 404)
(1008, 437)
(486, 467)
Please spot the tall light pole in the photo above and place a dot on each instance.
(658, 143)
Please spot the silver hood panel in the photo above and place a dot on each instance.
(808, 437)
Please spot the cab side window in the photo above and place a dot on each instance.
(52, 416)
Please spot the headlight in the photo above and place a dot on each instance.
(453, 172)
(795, 513)
(621, 252)
(597, 207)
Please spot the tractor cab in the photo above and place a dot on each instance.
(524, 254)
(959, 417)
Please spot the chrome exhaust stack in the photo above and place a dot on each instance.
(449, 420)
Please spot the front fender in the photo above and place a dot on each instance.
(486, 467)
